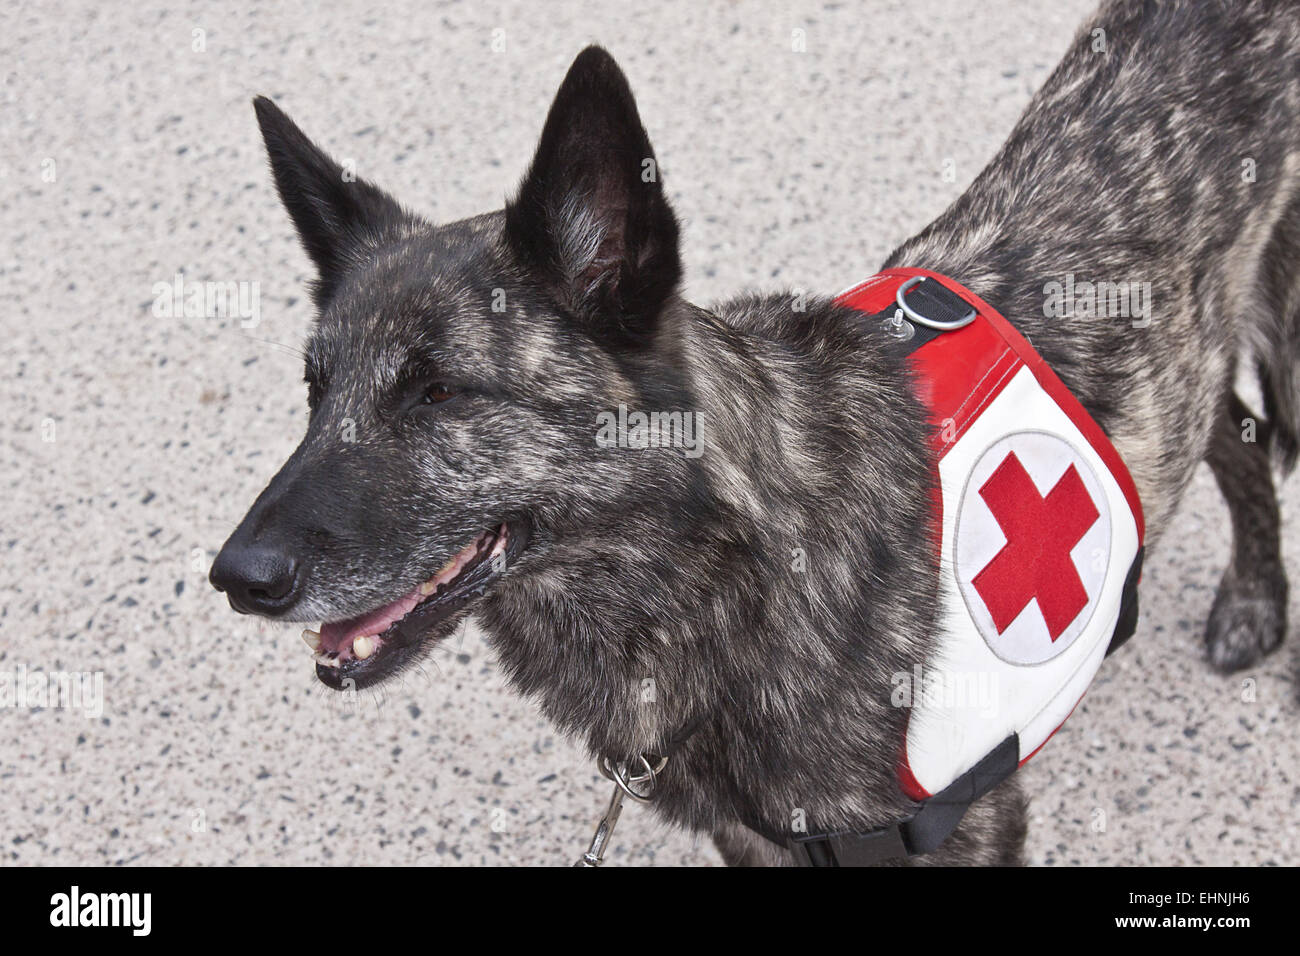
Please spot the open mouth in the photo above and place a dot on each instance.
(366, 648)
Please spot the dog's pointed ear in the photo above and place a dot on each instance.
(591, 218)
(336, 213)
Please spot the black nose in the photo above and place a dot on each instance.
(257, 579)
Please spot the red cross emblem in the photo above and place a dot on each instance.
(1035, 561)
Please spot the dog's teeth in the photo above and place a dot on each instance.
(327, 661)
(429, 586)
(502, 540)
(363, 647)
(312, 638)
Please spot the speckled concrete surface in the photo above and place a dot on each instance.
(133, 443)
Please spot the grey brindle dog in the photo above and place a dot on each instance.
(457, 373)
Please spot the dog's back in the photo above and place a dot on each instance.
(1159, 167)
(1163, 154)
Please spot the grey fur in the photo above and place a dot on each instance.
(651, 566)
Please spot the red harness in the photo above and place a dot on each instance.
(1038, 541)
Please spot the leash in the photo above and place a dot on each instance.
(637, 778)
(625, 785)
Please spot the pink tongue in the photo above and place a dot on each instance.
(336, 635)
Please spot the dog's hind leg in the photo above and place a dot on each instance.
(1249, 615)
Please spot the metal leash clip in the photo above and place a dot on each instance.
(640, 787)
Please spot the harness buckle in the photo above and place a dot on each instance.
(846, 848)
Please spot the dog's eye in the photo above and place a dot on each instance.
(438, 393)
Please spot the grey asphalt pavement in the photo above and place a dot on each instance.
(133, 442)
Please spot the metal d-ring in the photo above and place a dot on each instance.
(625, 781)
(624, 785)
(918, 318)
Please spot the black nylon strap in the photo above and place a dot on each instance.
(1128, 605)
(924, 830)
(930, 299)
(936, 302)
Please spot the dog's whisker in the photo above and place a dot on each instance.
(294, 350)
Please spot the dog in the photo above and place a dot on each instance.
(646, 596)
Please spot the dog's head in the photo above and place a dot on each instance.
(455, 377)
